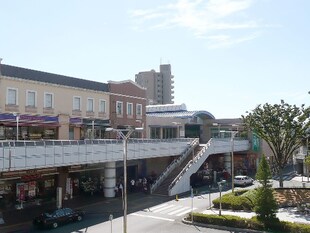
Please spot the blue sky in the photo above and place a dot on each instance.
(227, 56)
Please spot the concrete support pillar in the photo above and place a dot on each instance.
(63, 130)
(227, 162)
(161, 133)
(62, 181)
(109, 179)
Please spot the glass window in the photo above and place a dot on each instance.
(119, 108)
(139, 110)
(31, 98)
(102, 106)
(68, 211)
(48, 100)
(12, 96)
(59, 213)
(155, 133)
(129, 109)
(77, 103)
(90, 105)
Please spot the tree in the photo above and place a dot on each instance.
(265, 205)
(282, 126)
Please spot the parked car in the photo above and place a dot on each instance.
(243, 180)
(58, 217)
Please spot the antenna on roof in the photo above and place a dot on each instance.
(160, 61)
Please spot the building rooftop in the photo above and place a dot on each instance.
(40, 76)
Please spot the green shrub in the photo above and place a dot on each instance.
(253, 223)
(239, 200)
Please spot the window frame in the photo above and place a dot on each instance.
(121, 109)
(104, 110)
(16, 95)
(45, 95)
(35, 98)
(139, 106)
(80, 103)
(92, 109)
(129, 109)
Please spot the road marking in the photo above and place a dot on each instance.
(154, 217)
(178, 210)
(170, 209)
(162, 209)
(185, 212)
(157, 207)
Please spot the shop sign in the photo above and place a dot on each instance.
(75, 167)
(31, 177)
(255, 143)
(75, 121)
(1, 131)
(12, 174)
(21, 192)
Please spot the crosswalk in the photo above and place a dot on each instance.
(171, 209)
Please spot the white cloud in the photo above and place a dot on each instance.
(226, 41)
(204, 18)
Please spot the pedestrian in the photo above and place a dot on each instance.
(132, 185)
(144, 184)
(116, 190)
(120, 188)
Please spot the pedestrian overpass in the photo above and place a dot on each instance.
(26, 155)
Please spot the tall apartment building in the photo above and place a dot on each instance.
(159, 85)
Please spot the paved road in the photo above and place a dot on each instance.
(146, 213)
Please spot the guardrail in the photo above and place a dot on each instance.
(174, 164)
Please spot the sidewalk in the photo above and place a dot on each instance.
(289, 214)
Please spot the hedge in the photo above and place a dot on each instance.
(253, 223)
(239, 200)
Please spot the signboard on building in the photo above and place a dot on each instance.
(255, 142)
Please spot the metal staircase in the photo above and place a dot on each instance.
(163, 188)
(181, 183)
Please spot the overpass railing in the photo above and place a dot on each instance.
(174, 164)
(20, 155)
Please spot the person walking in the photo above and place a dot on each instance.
(132, 185)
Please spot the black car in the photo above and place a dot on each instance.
(57, 217)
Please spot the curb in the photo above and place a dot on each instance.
(218, 227)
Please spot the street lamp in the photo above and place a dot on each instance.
(220, 184)
(125, 138)
(142, 125)
(17, 124)
(233, 134)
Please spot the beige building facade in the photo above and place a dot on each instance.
(42, 106)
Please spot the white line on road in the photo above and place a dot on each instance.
(149, 216)
(185, 212)
(157, 207)
(163, 208)
(178, 210)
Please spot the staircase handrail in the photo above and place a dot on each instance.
(174, 164)
(189, 164)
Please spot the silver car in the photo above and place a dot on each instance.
(243, 180)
